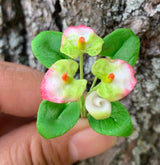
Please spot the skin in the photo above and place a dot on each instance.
(20, 143)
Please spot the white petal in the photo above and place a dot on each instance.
(124, 78)
(98, 107)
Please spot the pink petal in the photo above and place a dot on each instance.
(124, 78)
(133, 80)
(51, 87)
(79, 31)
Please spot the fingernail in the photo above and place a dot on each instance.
(88, 143)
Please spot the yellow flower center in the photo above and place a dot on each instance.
(109, 78)
(81, 43)
(66, 78)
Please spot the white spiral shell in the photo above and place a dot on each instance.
(97, 107)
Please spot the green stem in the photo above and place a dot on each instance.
(82, 107)
(81, 66)
(94, 82)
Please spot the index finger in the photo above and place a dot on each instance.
(19, 89)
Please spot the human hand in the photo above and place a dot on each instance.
(19, 141)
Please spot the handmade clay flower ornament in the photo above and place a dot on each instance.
(79, 40)
(58, 84)
(117, 78)
(63, 96)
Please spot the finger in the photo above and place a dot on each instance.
(89, 143)
(9, 122)
(26, 146)
(19, 89)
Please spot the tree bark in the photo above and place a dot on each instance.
(22, 20)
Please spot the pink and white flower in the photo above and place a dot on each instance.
(77, 40)
(58, 84)
(117, 78)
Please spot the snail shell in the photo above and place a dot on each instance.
(98, 107)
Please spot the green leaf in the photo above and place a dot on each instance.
(118, 124)
(121, 44)
(46, 47)
(54, 120)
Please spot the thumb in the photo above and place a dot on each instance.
(25, 146)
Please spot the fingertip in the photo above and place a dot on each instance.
(88, 143)
(20, 89)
